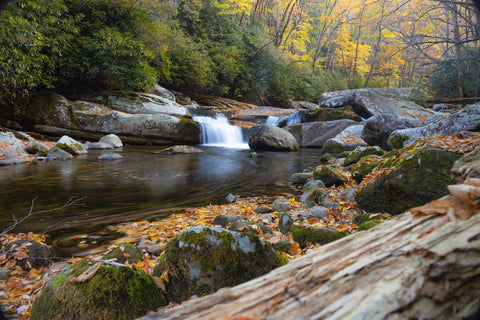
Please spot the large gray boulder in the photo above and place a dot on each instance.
(201, 260)
(164, 93)
(379, 127)
(111, 139)
(467, 119)
(271, 138)
(71, 146)
(48, 108)
(347, 140)
(368, 102)
(260, 114)
(11, 150)
(91, 117)
(315, 134)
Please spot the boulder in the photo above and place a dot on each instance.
(11, 151)
(467, 119)
(58, 154)
(224, 220)
(285, 222)
(379, 127)
(330, 114)
(281, 205)
(313, 194)
(201, 260)
(262, 209)
(164, 93)
(368, 102)
(328, 176)
(271, 138)
(250, 227)
(29, 254)
(315, 134)
(109, 157)
(364, 166)
(124, 252)
(111, 292)
(303, 233)
(97, 146)
(361, 152)
(48, 108)
(149, 247)
(303, 105)
(141, 103)
(420, 177)
(36, 147)
(91, 117)
(317, 212)
(180, 150)
(300, 177)
(347, 140)
(70, 145)
(259, 114)
(111, 139)
(467, 167)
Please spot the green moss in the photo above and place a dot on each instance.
(369, 224)
(328, 176)
(114, 292)
(336, 148)
(306, 233)
(330, 114)
(361, 152)
(282, 245)
(364, 167)
(397, 140)
(190, 130)
(125, 252)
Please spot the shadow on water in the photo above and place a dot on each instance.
(142, 185)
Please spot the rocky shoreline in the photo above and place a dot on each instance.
(367, 173)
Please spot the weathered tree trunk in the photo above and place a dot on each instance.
(398, 270)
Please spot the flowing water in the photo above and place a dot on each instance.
(142, 185)
(218, 132)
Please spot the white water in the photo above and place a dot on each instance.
(274, 120)
(218, 132)
(295, 118)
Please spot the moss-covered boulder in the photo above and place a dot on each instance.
(70, 145)
(328, 176)
(347, 140)
(225, 220)
(365, 166)
(201, 260)
(113, 292)
(330, 114)
(29, 253)
(313, 194)
(124, 252)
(304, 233)
(285, 222)
(420, 177)
(250, 227)
(361, 152)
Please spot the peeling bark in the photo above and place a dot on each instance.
(398, 270)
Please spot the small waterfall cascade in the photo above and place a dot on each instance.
(295, 118)
(218, 132)
(275, 120)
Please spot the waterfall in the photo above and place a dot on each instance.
(275, 120)
(218, 132)
(295, 118)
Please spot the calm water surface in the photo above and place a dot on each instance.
(142, 185)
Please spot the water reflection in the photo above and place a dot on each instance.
(142, 185)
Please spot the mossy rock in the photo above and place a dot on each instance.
(329, 114)
(285, 222)
(336, 148)
(361, 152)
(71, 146)
(418, 178)
(328, 176)
(282, 246)
(313, 194)
(369, 224)
(250, 227)
(364, 167)
(303, 233)
(38, 254)
(114, 292)
(125, 252)
(201, 260)
(225, 220)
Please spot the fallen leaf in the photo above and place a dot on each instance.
(88, 274)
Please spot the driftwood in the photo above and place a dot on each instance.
(400, 269)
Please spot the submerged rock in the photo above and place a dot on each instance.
(109, 157)
(201, 260)
(113, 292)
(112, 139)
(58, 154)
(180, 150)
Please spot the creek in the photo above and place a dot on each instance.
(143, 185)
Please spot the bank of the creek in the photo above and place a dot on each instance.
(143, 185)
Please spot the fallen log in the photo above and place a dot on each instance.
(400, 269)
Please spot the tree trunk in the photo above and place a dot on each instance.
(398, 270)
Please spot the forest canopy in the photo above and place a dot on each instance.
(254, 51)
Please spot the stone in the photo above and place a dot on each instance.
(285, 222)
(435, 117)
(11, 151)
(420, 178)
(301, 177)
(124, 252)
(38, 254)
(281, 205)
(367, 102)
(164, 93)
(70, 145)
(36, 147)
(262, 209)
(347, 140)
(379, 127)
(271, 138)
(317, 212)
(180, 150)
(5, 274)
(364, 166)
(225, 220)
(361, 152)
(282, 245)
(48, 108)
(149, 247)
(303, 233)
(467, 167)
(109, 157)
(315, 134)
(113, 292)
(97, 146)
(201, 260)
(58, 154)
(250, 227)
(303, 105)
(313, 193)
(260, 114)
(230, 198)
(322, 114)
(328, 176)
(112, 139)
